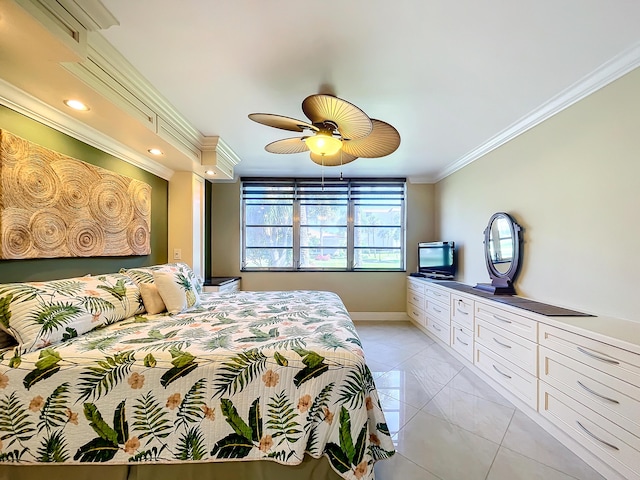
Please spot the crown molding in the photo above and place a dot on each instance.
(608, 72)
(105, 55)
(216, 153)
(421, 179)
(77, 23)
(92, 14)
(28, 105)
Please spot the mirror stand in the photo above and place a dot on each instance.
(496, 289)
(502, 245)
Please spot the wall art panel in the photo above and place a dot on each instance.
(52, 205)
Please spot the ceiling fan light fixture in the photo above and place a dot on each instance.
(323, 144)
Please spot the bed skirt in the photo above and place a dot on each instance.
(310, 468)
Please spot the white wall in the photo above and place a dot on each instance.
(573, 183)
(186, 220)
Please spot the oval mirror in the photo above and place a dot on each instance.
(502, 245)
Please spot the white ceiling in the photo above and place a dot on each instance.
(454, 77)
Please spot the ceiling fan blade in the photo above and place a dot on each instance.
(279, 121)
(288, 145)
(351, 121)
(332, 160)
(382, 141)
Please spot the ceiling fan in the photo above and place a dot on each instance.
(339, 132)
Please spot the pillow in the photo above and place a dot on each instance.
(176, 290)
(138, 275)
(145, 274)
(151, 298)
(39, 314)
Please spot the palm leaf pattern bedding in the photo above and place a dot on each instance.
(245, 376)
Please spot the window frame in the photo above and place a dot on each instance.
(354, 192)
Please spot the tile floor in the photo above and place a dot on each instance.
(447, 423)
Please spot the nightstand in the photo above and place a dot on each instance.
(222, 284)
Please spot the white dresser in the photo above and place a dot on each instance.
(578, 377)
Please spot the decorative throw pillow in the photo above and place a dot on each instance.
(176, 290)
(151, 298)
(139, 275)
(39, 314)
(145, 274)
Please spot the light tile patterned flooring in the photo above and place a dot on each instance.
(447, 423)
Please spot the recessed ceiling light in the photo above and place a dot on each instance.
(210, 172)
(155, 151)
(76, 105)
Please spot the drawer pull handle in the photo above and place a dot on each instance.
(598, 357)
(459, 310)
(462, 304)
(465, 344)
(500, 343)
(436, 310)
(597, 394)
(502, 319)
(436, 327)
(595, 437)
(501, 373)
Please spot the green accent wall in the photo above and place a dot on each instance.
(52, 268)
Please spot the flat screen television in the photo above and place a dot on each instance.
(437, 259)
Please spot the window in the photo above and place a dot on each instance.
(307, 224)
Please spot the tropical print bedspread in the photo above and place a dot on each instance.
(245, 376)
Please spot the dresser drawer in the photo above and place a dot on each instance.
(508, 345)
(415, 285)
(510, 376)
(417, 314)
(616, 400)
(416, 299)
(438, 294)
(438, 311)
(462, 309)
(615, 361)
(462, 341)
(611, 443)
(439, 329)
(511, 322)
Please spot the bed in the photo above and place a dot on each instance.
(278, 377)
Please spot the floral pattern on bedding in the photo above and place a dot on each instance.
(245, 376)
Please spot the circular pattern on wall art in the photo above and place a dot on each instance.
(140, 194)
(12, 149)
(52, 205)
(85, 238)
(76, 179)
(138, 236)
(15, 236)
(34, 183)
(110, 204)
(48, 229)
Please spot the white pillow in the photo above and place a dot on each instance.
(151, 298)
(177, 290)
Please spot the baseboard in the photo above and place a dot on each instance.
(379, 316)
